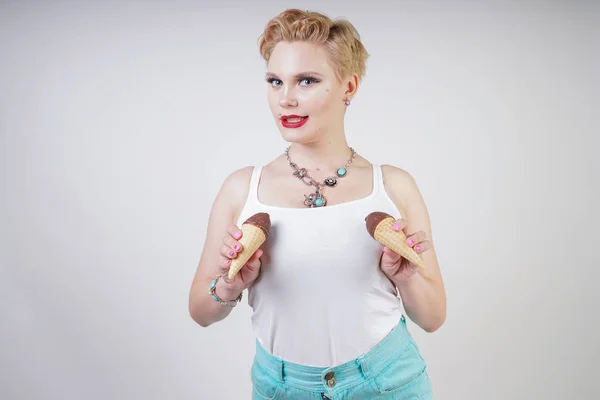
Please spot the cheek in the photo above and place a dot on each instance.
(317, 101)
(273, 101)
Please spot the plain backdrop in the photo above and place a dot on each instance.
(119, 121)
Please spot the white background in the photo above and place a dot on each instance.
(120, 120)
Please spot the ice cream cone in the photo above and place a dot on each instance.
(255, 231)
(379, 225)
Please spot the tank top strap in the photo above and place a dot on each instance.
(377, 179)
(254, 180)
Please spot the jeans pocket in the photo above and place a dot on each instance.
(406, 375)
(264, 386)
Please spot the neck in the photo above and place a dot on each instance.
(326, 156)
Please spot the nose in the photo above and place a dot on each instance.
(287, 99)
(288, 102)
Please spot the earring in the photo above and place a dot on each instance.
(347, 102)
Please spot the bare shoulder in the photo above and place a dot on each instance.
(396, 173)
(404, 192)
(239, 176)
(235, 189)
(401, 185)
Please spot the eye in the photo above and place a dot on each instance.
(309, 79)
(273, 81)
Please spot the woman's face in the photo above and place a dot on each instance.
(303, 84)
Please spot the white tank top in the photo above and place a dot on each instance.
(321, 298)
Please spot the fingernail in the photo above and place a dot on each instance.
(237, 247)
(228, 262)
(396, 227)
(231, 253)
(238, 235)
(410, 242)
(418, 248)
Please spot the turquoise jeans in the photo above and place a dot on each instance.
(393, 369)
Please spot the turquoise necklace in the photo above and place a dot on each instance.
(317, 199)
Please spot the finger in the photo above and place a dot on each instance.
(235, 232)
(254, 263)
(415, 238)
(392, 254)
(228, 252)
(232, 244)
(224, 265)
(400, 224)
(423, 246)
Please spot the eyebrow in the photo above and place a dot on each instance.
(297, 76)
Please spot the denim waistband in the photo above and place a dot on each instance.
(346, 375)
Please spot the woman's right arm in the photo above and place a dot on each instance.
(223, 215)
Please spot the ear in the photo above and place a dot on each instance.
(351, 86)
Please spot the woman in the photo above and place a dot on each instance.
(326, 297)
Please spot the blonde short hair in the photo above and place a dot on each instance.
(340, 38)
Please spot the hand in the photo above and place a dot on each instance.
(230, 289)
(396, 267)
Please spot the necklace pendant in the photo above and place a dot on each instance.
(331, 181)
(341, 172)
(315, 200)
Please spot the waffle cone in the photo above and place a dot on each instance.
(254, 233)
(395, 241)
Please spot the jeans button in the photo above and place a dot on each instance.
(329, 377)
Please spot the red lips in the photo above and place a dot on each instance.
(296, 124)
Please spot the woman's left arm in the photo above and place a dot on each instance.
(421, 289)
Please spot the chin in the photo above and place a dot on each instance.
(303, 134)
(296, 135)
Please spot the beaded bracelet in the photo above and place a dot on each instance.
(212, 289)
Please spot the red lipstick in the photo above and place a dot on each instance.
(296, 124)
